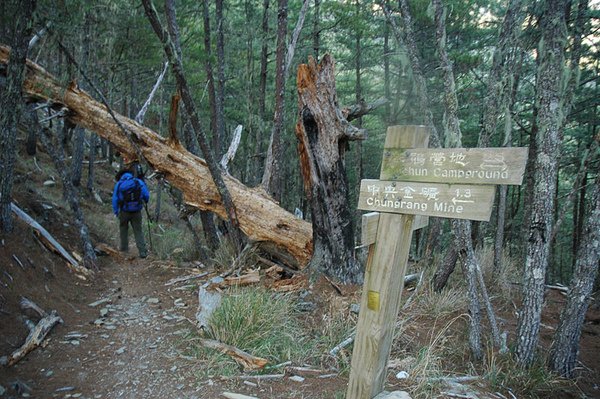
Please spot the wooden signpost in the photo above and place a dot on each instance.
(415, 182)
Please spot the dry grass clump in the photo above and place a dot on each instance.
(504, 374)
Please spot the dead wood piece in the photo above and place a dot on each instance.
(36, 336)
(18, 261)
(104, 249)
(342, 345)
(295, 283)
(272, 264)
(49, 241)
(29, 304)
(185, 278)
(244, 359)
(232, 395)
(334, 285)
(254, 377)
(304, 371)
(251, 278)
(235, 143)
(274, 272)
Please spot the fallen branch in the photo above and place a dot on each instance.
(232, 395)
(37, 333)
(235, 143)
(185, 278)
(51, 242)
(18, 261)
(244, 359)
(254, 377)
(342, 345)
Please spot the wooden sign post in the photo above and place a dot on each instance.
(415, 182)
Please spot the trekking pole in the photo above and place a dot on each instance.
(149, 231)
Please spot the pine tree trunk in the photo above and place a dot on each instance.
(322, 139)
(549, 121)
(77, 161)
(565, 346)
(220, 93)
(208, 69)
(446, 268)
(11, 104)
(316, 34)
(31, 143)
(272, 177)
(359, 99)
(71, 195)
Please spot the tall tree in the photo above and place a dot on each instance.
(208, 69)
(323, 133)
(549, 89)
(220, 94)
(565, 346)
(11, 102)
(272, 177)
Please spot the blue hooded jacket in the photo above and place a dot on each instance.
(124, 182)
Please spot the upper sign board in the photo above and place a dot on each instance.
(456, 165)
(457, 201)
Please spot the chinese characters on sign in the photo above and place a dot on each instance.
(456, 165)
(442, 200)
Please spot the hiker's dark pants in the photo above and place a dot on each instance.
(135, 218)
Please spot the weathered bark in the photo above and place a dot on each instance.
(565, 346)
(261, 219)
(466, 257)
(323, 133)
(549, 87)
(443, 272)
(11, 104)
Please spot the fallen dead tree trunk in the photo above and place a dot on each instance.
(50, 242)
(260, 218)
(37, 333)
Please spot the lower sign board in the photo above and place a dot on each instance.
(457, 201)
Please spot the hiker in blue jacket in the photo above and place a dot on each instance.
(129, 196)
